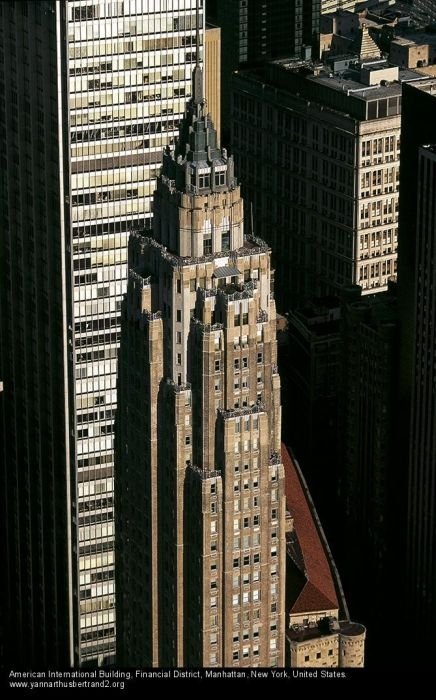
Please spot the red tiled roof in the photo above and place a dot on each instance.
(319, 592)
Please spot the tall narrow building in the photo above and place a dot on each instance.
(199, 481)
(421, 558)
(91, 90)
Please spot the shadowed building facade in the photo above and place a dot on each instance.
(90, 93)
(199, 479)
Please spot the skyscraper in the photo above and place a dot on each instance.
(199, 481)
(91, 92)
(324, 193)
(421, 558)
(254, 32)
(416, 396)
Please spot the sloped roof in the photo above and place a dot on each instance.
(318, 593)
(364, 45)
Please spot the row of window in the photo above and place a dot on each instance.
(246, 522)
(105, 196)
(147, 127)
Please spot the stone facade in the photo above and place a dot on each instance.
(200, 483)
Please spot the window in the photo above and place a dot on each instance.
(225, 241)
(235, 600)
(236, 364)
(217, 365)
(274, 514)
(318, 654)
(246, 597)
(235, 563)
(213, 527)
(213, 601)
(256, 520)
(235, 655)
(246, 522)
(259, 357)
(204, 180)
(244, 362)
(207, 246)
(244, 319)
(256, 559)
(85, 12)
(306, 658)
(220, 179)
(246, 560)
(179, 315)
(179, 358)
(245, 652)
(178, 337)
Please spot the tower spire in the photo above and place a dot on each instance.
(197, 75)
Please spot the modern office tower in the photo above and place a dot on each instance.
(333, 5)
(254, 32)
(324, 193)
(199, 481)
(111, 79)
(37, 458)
(319, 632)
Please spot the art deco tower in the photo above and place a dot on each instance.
(199, 482)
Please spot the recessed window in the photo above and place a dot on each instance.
(225, 241)
(204, 180)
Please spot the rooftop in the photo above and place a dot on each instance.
(356, 88)
(319, 591)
